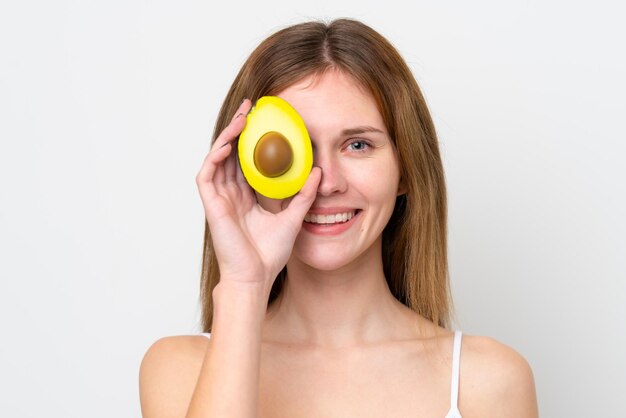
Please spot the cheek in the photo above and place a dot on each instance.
(383, 184)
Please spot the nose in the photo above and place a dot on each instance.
(333, 179)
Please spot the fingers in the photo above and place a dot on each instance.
(222, 147)
(230, 165)
(210, 164)
(240, 177)
(236, 125)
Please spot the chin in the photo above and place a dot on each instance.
(333, 257)
(325, 264)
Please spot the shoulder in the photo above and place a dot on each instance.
(495, 380)
(168, 374)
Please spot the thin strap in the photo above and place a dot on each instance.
(454, 389)
(206, 334)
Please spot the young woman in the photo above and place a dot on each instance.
(333, 303)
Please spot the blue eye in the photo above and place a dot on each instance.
(358, 146)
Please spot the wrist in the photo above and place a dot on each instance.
(236, 299)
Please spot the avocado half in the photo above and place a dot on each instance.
(275, 152)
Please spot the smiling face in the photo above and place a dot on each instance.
(360, 173)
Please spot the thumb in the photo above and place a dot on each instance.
(300, 204)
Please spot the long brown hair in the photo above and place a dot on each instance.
(415, 239)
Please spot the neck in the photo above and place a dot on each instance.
(352, 306)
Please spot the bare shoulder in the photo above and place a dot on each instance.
(168, 374)
(495, 381)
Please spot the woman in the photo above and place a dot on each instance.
(333, 303)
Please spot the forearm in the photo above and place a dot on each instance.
(228, 384)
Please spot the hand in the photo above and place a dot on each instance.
(251, 244)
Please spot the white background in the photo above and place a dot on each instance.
(106, 109)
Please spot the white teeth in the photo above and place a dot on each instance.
(328, 219)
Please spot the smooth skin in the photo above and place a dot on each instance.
(337, 344)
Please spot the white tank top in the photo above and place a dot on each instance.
(454, 385)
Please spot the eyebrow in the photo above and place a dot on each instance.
(359, 130)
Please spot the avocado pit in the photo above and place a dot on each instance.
(273, 155)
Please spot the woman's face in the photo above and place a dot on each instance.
(360, 172)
